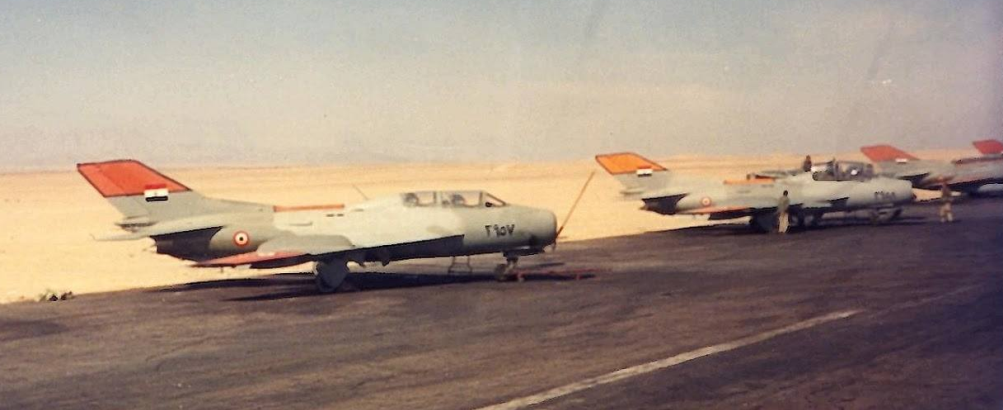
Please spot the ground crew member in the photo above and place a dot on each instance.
(783, 219)
(806, 165)
(946, 215)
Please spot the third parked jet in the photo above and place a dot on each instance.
(975, 176)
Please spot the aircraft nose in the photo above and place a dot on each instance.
(544, 229)
(907, 192)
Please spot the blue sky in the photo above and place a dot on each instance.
(287, 82)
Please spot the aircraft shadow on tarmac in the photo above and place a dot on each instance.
(301, 284)
(827, 224)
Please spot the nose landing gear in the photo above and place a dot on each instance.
(504, 271)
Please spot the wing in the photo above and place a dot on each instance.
(836, 203)
(914, 177)
(970, 184)
(286, 251)
(292, 250)
(735, 209)
(718, 212)
(759, 206)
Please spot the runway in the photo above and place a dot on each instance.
(850, 315)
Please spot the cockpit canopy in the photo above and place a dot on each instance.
(452, 199)
(842, 171)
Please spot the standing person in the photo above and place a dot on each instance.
(783, 219)
(946, 214)
(806, 165)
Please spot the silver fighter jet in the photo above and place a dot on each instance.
(838, 187)
(216, 233)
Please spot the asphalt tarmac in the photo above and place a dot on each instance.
(849, 315)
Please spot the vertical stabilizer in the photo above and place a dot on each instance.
(145, 196)
(886, 153)
(637, 174)
(989, 147)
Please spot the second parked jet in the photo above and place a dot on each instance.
(837, 187)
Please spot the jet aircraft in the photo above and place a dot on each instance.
(975, 176)
(837, 187)
(222, 233)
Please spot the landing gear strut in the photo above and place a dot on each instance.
(459, 267)
(328, 276)
(504, 270)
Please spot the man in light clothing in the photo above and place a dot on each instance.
(946, 214)
(783, 219)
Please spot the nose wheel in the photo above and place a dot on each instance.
(504, 270)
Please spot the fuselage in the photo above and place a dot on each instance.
(966, 174)
(806, 195)
(432, 229)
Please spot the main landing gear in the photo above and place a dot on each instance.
(460, 267)
(328, 276)
(764, 222)
(885, 215)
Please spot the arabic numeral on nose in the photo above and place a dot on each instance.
(499, 230)
(884, 196)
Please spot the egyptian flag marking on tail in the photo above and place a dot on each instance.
(155, 192)
(644, 171)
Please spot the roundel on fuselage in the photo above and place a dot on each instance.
(241, 238)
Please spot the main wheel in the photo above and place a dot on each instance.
(763, 223)
(895, 214)
(816, 219)
(328, 276)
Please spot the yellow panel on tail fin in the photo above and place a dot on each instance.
(626, 163)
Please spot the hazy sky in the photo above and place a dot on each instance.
(347, 81)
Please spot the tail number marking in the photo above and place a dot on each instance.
(499, 230)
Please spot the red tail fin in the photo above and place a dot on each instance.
(989, 147)
(883, 153)
(126, 177)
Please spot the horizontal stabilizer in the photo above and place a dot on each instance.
(169, 228)
(886, 153)
(989, 147)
